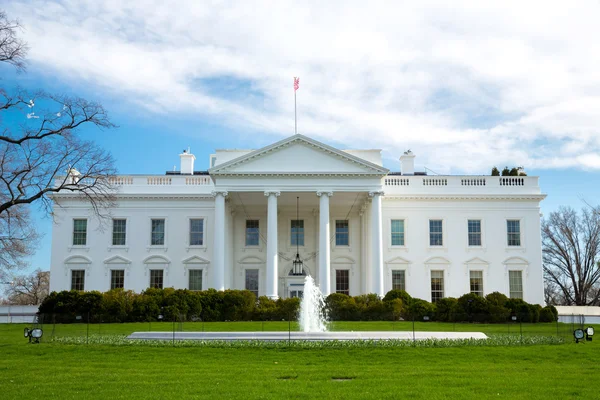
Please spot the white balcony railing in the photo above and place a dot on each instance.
(409, 184)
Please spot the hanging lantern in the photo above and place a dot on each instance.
(298, 265)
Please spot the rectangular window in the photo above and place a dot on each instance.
(398, 280)
(156, 278)
(119, 232)
(342, 281)
(342, 233)
(513, 230)
(474, 231)
(437, 285)
(252, 281)
(297, 232)
(435, 232)
(79, 232)
(78, 279)
(158, 232)
(476, 282)
(252, 232)
(195, 279)
(515, 281)
(196, 232)
(117, 279)
(397, 232)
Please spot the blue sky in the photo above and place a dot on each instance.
(465, 88)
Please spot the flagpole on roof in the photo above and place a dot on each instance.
(296, 86)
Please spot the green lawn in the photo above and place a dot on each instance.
(53, 370)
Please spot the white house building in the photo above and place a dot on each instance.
(360, 228)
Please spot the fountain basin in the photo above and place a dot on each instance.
(314, 336)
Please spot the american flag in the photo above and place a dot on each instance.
(296, 83)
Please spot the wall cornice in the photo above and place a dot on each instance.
(475, 197)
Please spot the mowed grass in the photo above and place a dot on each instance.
(82, 329)
(53, 370)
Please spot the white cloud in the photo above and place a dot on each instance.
(466, 86)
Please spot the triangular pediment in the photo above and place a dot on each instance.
(476, 260)
(117, 260)
(299, 155)
(397, 260)
(195, 260)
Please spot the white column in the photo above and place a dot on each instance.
(219, 254)
(272, 252)
(363, 250)
(324, 243)
(377, 243)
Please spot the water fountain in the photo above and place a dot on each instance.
(312, 318)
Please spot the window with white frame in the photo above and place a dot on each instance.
(437, 285)
(515, 282)
(436, 235)
(398, 279)
(196, 232)
(397, 232)
(342, 281)
(156, 278)
(119, 232)
(78, 279)
(297, 232)
(252, 281)
(195, 279)
(117, 279)
(342, 232)
(158, 232)
(252, 232)
(474, 232)
(79, 232)
(476, 282)
(513, 232)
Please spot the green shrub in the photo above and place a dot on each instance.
(497, 299)
(419, 308)
(237, 305)
(446, 309)
(473, 308)
(370, 307)
(288, 308)
(336, 306)
(547, 315)
(265, 310)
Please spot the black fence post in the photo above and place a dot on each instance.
(521, 328)
(413, 321)
(174, 318)
(289, 329)
(87, 333)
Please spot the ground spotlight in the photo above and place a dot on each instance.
(34, 335)
(578, 334)
(589, 332)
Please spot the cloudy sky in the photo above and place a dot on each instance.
(466, 86)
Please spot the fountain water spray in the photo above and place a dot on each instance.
(311, 308)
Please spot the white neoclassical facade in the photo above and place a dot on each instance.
(360, 228)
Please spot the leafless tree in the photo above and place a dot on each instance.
(29, 289)
(571, 250)
(42, 154)
(12, 48)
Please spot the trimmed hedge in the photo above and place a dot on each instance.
(241, 305)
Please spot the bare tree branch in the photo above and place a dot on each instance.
(12, 49)
(29, 289)
(41, 154)
(571, 250)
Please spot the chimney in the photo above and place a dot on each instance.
(407, 163)
(187, 162)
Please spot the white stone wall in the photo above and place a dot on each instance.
(455, 257)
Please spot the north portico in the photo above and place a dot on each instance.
(356, 228)
(329, 184)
